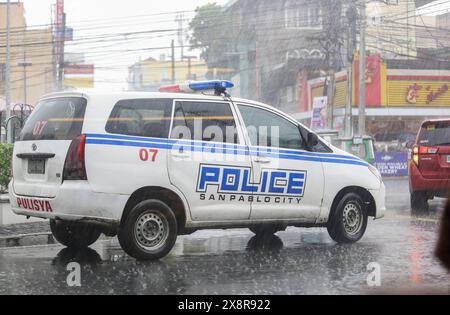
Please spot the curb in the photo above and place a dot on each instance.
(27, 240)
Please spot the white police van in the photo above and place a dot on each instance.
(148, 167)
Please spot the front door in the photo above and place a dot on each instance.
(290, 179)
(209, 161)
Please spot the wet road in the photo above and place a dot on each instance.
(297, 261)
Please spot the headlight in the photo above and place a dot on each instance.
(375, 172)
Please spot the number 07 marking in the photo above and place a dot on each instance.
(144, 154)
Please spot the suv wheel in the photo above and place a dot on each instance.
(348, 222)
(74, 235)
(149, 232)
(419, 202)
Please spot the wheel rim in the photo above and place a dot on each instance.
(151, 230)
(353, 219)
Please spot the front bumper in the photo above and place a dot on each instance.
(75, 201)
(379, 195)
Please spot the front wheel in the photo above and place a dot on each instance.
(149, 232)
(348, 222)
(74, 235)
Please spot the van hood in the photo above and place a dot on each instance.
(345, 153)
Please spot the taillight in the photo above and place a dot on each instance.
(415, 155)
(75, 166)
(421, 150)
(427, 150)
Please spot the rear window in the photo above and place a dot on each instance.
(435, 134)
(143, 118)
(55, 119)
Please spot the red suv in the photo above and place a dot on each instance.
(429, 174)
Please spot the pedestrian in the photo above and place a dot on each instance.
(443, 247)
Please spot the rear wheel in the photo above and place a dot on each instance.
(348, 222)
(74, 235)
(149, 232)
(419, 202)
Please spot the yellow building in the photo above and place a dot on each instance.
(150, 74)
(32, 47)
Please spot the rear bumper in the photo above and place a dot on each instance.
(75, 202)
(379, 196)
(418, 183)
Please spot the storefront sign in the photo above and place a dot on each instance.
(375, 80)
(392, 164)
(430, 94)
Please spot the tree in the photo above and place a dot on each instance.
(209, 32)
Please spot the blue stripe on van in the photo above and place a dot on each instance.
(222, 150)
(209, 146)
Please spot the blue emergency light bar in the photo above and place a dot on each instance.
(211, 85)
(218, 86)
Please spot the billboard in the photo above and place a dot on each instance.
(392, 164)
(319, 119)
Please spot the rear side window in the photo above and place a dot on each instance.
(55, 119)
(143, 118)
(435, 134)
(204, 121)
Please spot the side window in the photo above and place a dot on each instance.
(141, 117)
(267, 129)
(204, 121)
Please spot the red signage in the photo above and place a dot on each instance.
(373, 80)
(59, 26)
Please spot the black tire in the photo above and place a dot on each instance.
(265, 229)
(74, 235)
(149, 232)
(352, 207)
(419, 202)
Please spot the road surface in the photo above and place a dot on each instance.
(297, 261)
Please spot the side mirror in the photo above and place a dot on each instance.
(312, 140)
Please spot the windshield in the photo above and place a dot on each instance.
(435, 134)
(55, 119)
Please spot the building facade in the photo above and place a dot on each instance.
(150, 74)
(31, 57)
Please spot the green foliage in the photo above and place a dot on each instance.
(6, 152)
(210, 31)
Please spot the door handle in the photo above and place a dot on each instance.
(181, 154)
(262, 160)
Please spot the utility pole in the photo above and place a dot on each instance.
(362, 72)
(62, 38)
(25, 65)
(8, 73)
(332, 44)
(173, 62)
(331, 91)
(351, 46)
(180, 20)
(189, 59)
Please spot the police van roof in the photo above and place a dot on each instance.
(98, 94)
